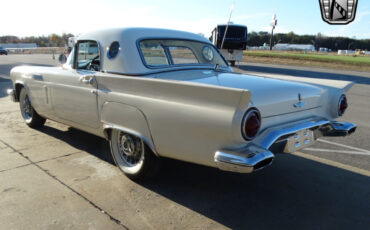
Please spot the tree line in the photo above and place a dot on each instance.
(52, 40)
(254, 39)
(319, 40)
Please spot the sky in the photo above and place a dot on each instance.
(43, 17)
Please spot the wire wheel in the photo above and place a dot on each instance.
(131, 149)
(132, 156)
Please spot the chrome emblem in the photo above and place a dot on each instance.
(300, 103)
(338, 12)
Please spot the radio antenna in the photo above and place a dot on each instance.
(227, 25)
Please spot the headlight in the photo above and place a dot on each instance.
(251, 124)
(342, 105)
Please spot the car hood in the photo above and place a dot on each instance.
(271, 96)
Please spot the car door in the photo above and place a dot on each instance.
(74, 90)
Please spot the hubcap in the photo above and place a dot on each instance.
(27, 108)
(130, 148)
(127, 145)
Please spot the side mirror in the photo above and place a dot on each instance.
(62, 58)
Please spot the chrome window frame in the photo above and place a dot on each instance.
(75, 65)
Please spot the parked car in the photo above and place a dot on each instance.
(3, 51)
(157, 93)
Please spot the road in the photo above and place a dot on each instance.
(58, 178)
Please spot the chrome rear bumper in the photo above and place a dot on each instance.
(258, 155)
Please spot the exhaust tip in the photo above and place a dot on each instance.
(263, 164)
(352, 130)
(338, 129)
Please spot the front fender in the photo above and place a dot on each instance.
(126, 118)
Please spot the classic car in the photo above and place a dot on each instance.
(157, 93)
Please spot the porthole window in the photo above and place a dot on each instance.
(207, 53)
(113, 50)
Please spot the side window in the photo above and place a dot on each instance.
(182, 55)
(88, 56)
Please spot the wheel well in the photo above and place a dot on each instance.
(18, 88)
(108, 133)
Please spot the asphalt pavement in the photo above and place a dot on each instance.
(61, 178)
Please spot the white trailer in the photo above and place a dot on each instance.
(231, 44)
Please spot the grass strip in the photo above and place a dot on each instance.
(333, 58)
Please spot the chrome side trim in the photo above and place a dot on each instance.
(11, 93)
(247, 160)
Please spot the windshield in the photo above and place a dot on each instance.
(169, 52)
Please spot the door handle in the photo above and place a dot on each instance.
(87, 79)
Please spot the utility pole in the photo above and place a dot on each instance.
(273, 25)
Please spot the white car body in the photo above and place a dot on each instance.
(193, 113)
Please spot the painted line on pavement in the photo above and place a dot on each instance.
(345, 146)
(337, 151)
(333, 163)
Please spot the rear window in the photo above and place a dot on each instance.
(182, 55)
(170, 52)
(153, 53)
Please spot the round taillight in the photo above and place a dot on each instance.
(251, 124)
(342, 105)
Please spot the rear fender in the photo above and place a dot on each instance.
(128, 119)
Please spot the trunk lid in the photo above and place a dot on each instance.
(271, 96)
